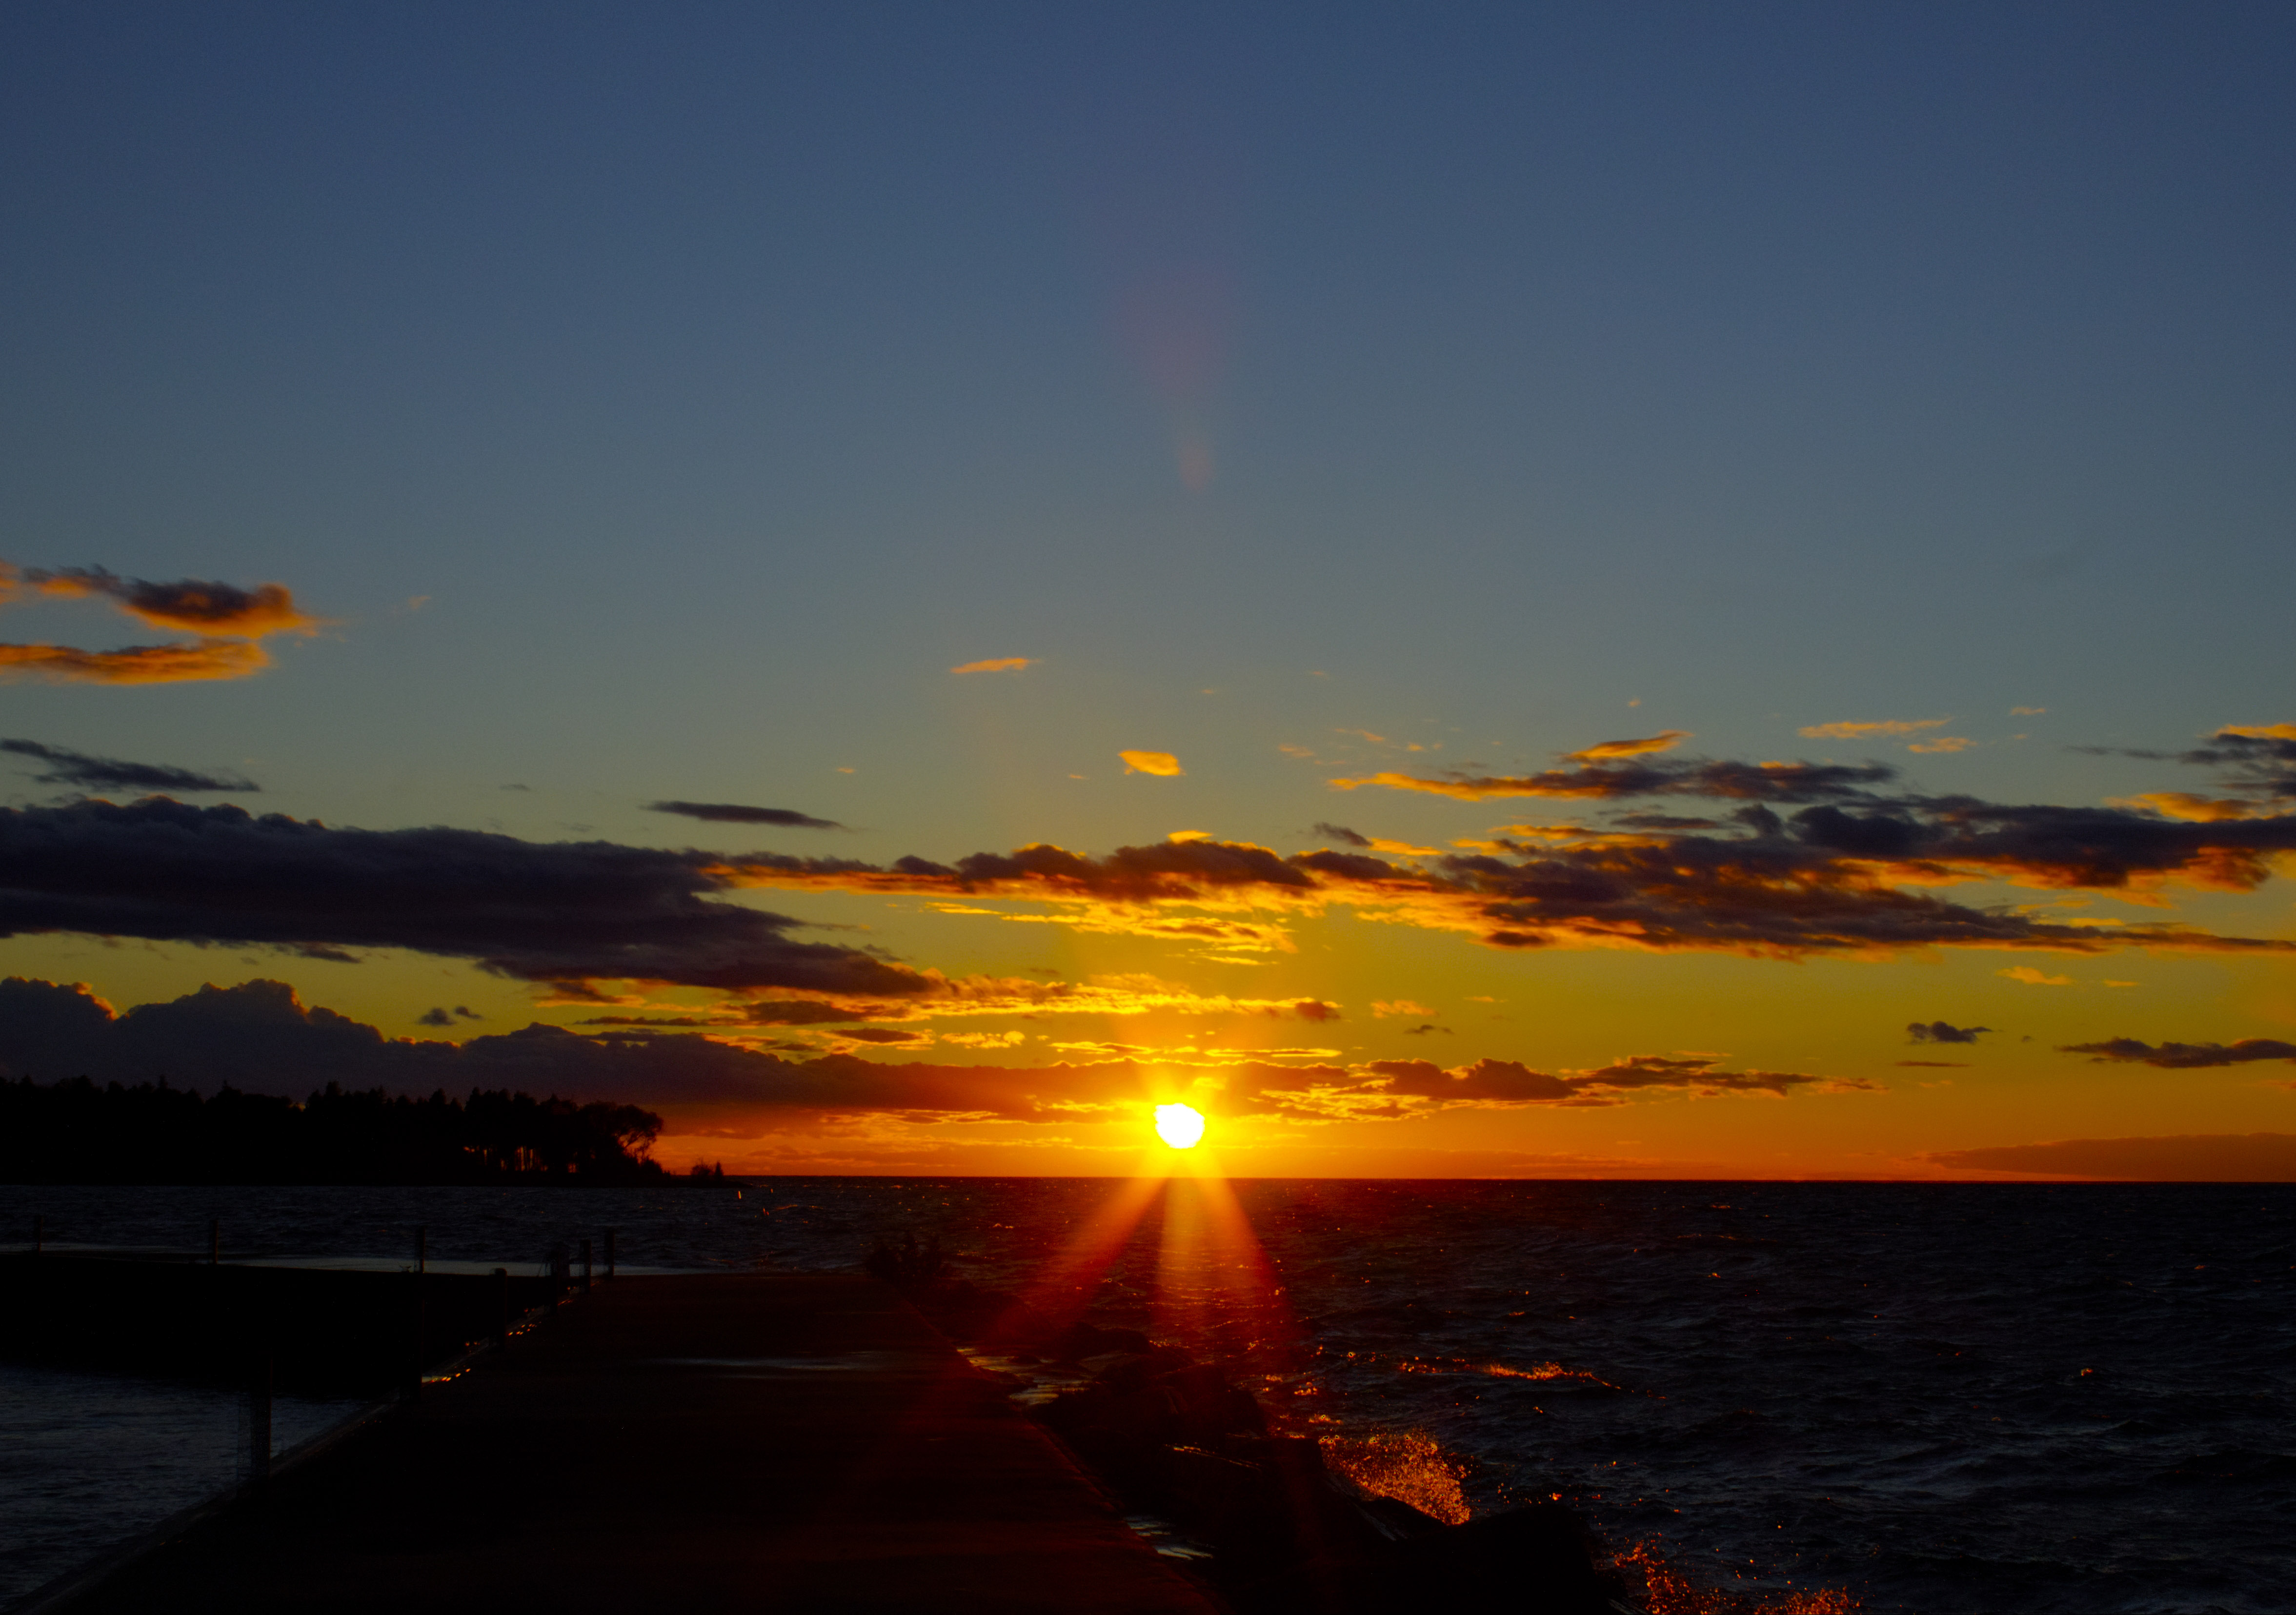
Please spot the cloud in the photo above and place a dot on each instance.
(2187, 805)
(998, 664)
(205, 659)
(1316, 1009)
(68, 768)
(227, 618)
(1824, 882)
(1740, 782)
(2183, 1056)
(2033, 977)
(564, 911)
(1383, 1008)
(734, 813)
(206, 608)
(1341, 834)
(1507, 1082)
(1868, 730)
(2028, 711)
(1943, 1065)
(1664, 742)
(1942, 1031)
(2258, 760)
(438, 1016)
(2178, 1158)
(1943, 743)
(1150, 762)
(260, 1038)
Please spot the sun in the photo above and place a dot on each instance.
(1181, 1126)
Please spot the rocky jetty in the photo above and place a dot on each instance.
(1280, 1531)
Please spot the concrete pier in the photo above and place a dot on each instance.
(720, 1444)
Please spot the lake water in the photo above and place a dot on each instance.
(1936, 1398)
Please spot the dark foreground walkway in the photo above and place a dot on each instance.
(710, 1444)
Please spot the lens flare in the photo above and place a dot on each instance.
(1181, 1126)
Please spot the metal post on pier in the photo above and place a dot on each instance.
(586, 1264)
(561, 1271)
(610, 1253)
(502, 1306)
(215, 1241)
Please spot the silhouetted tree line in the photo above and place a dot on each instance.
(77, 1132)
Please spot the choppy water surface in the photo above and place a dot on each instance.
(1941, 1398)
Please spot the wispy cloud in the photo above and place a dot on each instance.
(1602, 750)
(998, 664)
(2189, 1158)
(1726, 780)
(1150, 762)
(2183, 1056)
(1873, 729)
(68, 767)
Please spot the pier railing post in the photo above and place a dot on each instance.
(561, 1266)
(421, 1248)
(610, 1253)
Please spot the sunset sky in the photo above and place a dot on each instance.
(1625, 589)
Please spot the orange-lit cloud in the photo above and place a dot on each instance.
(203, 659)
(2186, 805)
(1150, 762)
(1943, 743)
(228, 619)
(2286, 732)
(1664, 742)
(1868, 730)
(2033, 977)
(998, 664)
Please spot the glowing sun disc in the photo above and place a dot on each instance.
(1181, 1126)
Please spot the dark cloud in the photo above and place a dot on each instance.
(1510, 1082)
(2181, 1158)
(434, 1017)
(734, 813)
(1660, 821)
(2182, 1056)
(68, 768)
(2259, 760)
(1315, 1009)
(1942, 1031)
(1425, 1029)
(1341, 834)
(562, 912)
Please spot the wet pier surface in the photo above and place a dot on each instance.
(716, 1443)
